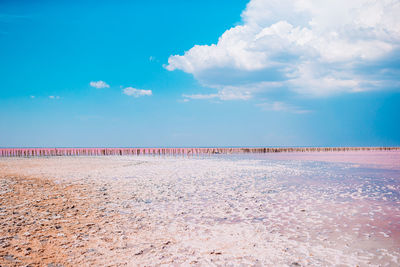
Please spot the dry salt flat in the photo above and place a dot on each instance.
(219, 210)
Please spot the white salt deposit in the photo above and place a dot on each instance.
(238, 209)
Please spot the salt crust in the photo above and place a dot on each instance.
(228, 210)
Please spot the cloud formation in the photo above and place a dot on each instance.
(282, 107)
(99, 84)
(311, 47)
(226, 93)
(136, 92)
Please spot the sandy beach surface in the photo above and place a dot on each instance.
(220, 210)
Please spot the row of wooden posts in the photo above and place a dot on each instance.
(32, 152)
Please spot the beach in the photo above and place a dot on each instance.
(285, 209)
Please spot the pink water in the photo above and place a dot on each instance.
(375, 159)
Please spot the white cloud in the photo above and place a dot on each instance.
(54, 97)
(32, 96)
(200, 96)
(312, 47)
(99, 84)
(136, 92)
(224, 93)
(282, 107)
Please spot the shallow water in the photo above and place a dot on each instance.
(344, 212)
(345, 201)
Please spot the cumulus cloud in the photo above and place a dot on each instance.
(311, 47)
(99, 84)
(54, 97)
(136, 92)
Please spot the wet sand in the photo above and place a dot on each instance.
(217, 210)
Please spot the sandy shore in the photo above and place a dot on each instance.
(124, 210)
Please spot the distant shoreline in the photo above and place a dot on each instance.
(27, 152)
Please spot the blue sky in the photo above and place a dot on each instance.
(199, 73)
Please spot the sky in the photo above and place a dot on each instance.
(199, 73)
